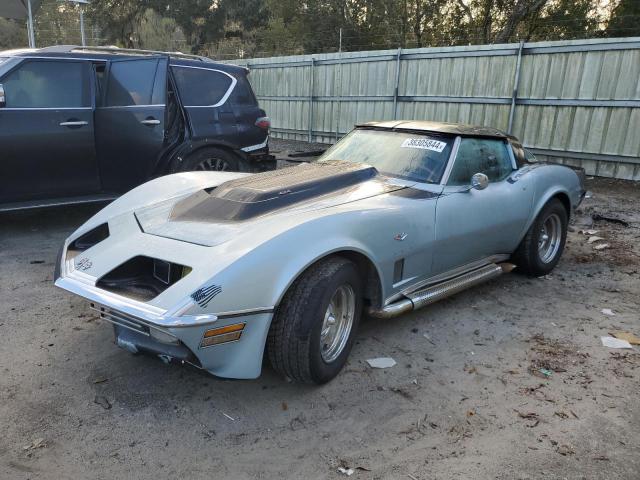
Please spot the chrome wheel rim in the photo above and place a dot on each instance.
(550, 238)
(213, 164)
(337, 323)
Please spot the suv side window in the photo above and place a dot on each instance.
(48, 84)
(200, 87)
(480, 155)
(130, 83)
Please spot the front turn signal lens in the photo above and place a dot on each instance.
(220, 335)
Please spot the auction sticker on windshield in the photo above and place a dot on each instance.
(425, 144)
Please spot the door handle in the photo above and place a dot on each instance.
(150, 121)
(71, 123)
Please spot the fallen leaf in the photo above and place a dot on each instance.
(594, 239)
(629, 337)
(102, 401)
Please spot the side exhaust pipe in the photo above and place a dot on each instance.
(437, 292)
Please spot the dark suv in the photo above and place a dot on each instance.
(87, 124)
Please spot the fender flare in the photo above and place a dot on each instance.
(346, 251)
(541, 202)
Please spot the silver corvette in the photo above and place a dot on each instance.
(218, 269)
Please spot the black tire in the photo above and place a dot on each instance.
(528, 257)
(213, 159)
(293, 343)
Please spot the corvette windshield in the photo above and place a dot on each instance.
(411, 156)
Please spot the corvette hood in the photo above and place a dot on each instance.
(212, 216)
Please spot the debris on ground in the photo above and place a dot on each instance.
(346, 471)
(37, 443)
(597, 216)
(629, 337)
(601, 246)
(102, 401)
(381, 362)
(229, 417)
(613, 342)
(565, 450)
(608, 311)
(594, 238)
(429, 339)
(545, 372)
(100, 380)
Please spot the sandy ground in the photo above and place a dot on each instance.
(465, 400)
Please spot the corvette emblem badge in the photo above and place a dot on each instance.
(84, 264)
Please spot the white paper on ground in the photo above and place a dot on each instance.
(382, 362)
(608, 311)
(613, 342)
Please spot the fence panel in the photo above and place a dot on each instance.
(574, 102)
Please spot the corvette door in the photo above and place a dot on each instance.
(471, 224)
(130, 121)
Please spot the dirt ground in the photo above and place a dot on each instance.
(467, 398)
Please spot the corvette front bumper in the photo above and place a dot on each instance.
(143, 328)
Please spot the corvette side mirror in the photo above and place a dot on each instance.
(3, 101)
(479, 181)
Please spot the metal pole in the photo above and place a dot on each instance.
(340, 44)
(84, 41)
(395, 90)
(32, 38)
(514, 94)
(311, 100)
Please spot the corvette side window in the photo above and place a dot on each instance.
(480, 155)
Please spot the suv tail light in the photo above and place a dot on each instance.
(263, 122)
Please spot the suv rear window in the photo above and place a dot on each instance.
(201, 87)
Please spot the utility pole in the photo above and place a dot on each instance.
(82, 37)
(32, 38)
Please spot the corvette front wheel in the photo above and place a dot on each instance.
(313, 329)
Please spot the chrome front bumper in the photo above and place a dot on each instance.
(137, 328)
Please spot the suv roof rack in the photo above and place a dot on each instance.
(122, 51)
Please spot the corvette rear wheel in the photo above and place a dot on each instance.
(542, 246)
(314, 327)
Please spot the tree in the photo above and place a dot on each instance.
(625, 20)
(12, 34)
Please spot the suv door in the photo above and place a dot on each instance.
(130, 121)
(204, 94)
(472, 225)
(47, 131)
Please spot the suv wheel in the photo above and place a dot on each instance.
(213, 160)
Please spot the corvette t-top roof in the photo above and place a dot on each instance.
(438, 127)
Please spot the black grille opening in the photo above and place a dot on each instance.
(89, 239)
(142, 278)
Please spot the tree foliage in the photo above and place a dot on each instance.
(232, 28)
